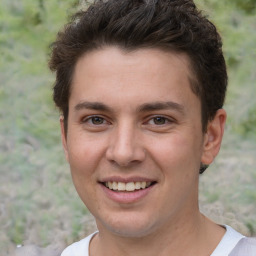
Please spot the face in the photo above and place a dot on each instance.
(134, 141)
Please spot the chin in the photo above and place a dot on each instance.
(129, 226)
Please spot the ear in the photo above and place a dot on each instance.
(213, 137)
(64, 137)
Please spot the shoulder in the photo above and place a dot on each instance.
(228, 242)
(246, 246)
(80, 248)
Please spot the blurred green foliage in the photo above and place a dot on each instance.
(249, 6)
(35, 183)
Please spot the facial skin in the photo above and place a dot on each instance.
(134, 117)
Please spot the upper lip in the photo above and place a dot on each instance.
(126, 179)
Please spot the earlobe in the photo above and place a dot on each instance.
(213, 137)
(64, 137)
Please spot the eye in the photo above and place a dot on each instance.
(97, 120)
(159, 120)
(94, 120)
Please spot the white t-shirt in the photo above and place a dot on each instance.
(226, 245)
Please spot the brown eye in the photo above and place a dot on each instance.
(97, 120)
(159, 120)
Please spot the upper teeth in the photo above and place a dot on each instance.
(129, 186)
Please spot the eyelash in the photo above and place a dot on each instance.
(89, 120)
(163, 118)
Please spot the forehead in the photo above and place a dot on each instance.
(141, 75)
(147, 57)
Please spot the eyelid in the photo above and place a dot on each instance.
(167, 118)
(87, 118)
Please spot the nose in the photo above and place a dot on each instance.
(125, 147)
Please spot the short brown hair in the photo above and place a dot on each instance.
(175, 25)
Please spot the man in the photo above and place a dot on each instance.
(141, 85)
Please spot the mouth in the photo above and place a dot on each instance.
(129, 186)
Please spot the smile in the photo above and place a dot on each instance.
(129, 186)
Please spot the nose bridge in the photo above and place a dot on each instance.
(124, 147)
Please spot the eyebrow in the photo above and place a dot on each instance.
(161, 106)
(92, 105)
(146, 107)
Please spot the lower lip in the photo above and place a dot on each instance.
(125, 197)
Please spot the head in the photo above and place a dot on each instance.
(140, 85)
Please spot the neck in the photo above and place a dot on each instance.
(198, 237)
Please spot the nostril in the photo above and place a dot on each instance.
(124, 157)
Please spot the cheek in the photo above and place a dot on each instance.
(84, 154)
(179, 152)
(84, 157)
